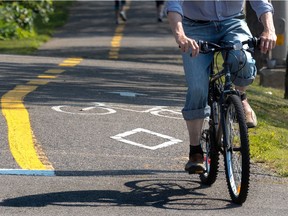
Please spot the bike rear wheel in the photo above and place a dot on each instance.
(236, 150)
(210, 153)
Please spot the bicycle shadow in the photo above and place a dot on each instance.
(164, 193)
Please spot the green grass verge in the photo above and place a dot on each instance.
(269, 140)
(43, 32)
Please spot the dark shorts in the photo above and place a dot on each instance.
(119, 4)
(158, 3)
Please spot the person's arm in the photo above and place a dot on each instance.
(185, 43)
(264, 10)
(268, 36)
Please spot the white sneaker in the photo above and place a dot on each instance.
(123, 16)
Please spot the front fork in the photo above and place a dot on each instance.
(224, 135)
(221, 132)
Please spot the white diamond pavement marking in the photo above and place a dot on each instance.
(120, 137)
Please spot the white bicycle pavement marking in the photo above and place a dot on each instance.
(82, 111)
(98, 109)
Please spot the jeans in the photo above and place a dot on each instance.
(197, 68)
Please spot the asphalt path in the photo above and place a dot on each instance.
(106, 122)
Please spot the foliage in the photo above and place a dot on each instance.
(17, 18)
(43, 31)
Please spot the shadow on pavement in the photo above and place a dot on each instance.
(159, 193)
(95, 83)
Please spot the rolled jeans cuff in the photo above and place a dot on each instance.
(239, 81)
(196, 114)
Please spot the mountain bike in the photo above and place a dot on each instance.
(226, 130)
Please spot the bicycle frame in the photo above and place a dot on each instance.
(220, 94)
(227, 132)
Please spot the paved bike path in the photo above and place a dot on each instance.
(91, 116)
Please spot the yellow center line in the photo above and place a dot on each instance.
(46, 77)
(20, 134)
(38, 82)
(117, 38)
(24, 147)
(71, 62)
(54, 71)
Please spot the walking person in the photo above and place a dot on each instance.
(160, 10)
(120, 10)
(214, 21)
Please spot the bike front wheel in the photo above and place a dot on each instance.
(236, 150)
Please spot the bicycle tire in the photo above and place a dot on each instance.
(211, 162)
(236, 150)
(211, 154)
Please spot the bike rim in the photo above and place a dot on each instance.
(234, 173)
(233, 151)
(206, 151)
(207, 161)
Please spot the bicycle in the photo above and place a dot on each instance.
(227, 132)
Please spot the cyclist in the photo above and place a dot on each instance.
(214, 21)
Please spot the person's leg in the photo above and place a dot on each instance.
(251, 119)
(196, 107)
(160, 8)
(194, 129)
(244, 74)
(117, 10)
(123, 10)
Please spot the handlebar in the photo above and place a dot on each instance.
(207, 47)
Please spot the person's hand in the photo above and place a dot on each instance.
(186, 44)
(268, 37)
(268, 41)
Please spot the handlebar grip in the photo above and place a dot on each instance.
(203, 47)
(254, 42)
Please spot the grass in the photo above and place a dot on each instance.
(269, 140)
(43, 32)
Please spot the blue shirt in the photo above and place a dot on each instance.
(216, 10)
